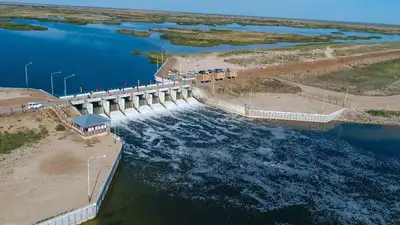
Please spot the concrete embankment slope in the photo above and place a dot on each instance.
(202, 96)
(235, 108)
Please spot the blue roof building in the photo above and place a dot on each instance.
(90, 120)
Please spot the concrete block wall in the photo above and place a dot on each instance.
(149, 98)
(121, 104)
(185, 93)
(89, 107)
(161, 97)
(106, 106)
(173, 95)
(135, 101)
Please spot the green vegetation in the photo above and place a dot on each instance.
(134, 32)
(155, 57)
(260, 85)
(337, 33)
(383, 113)
(7, 25)
(111, 22)
(60, 127)
(366, 48)
(12, 141)
(374, 79)
(214, 37)
(136, 52)
(349, 38)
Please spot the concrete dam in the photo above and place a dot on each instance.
(119, 103)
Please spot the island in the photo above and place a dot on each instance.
(8, 25)
(215, 37)
(135, 33)
(156, 57)
(337, 33)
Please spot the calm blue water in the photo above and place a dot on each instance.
(202, 166)
(98, 55)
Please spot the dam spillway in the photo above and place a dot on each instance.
(130, 102)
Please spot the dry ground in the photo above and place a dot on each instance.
(255, 59)
(42, 180)
(268, 98)
(11, 99)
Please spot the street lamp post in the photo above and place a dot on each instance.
(51, 79)
(345, 97)
(65, 84)
(26, 73)
(88, 173)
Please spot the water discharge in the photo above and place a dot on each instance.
(202, 166)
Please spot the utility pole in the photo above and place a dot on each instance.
(251, 93)
(213, 85)
(88, 174)
(26, 73)
(345, 97)
(65, 84)
(51, 79)
(157, 63)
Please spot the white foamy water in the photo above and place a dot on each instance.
(117, 116)
(158, 107)
(170, 105)
(205, 155)
(132, 112)
(145, 109)
(181, 102)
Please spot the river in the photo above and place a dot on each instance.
(201, 166)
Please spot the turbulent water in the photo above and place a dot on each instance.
(202, 166)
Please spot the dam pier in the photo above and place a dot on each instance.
(119, 103)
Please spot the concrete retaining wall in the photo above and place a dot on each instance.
(81, 215)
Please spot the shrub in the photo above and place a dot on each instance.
(11, 141)
(60, 127)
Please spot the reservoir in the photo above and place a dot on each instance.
(101, 58)
(202, 166)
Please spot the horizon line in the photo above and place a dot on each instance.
(217, 14)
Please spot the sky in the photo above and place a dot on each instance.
(369, 11)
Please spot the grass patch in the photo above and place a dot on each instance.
(256, 85)
(362, 79)
(214, 37)
(135, 33)
(155, 57)
(7, 25)
(337, 33)
(383, 113)
(60, 127)
(12, 141)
